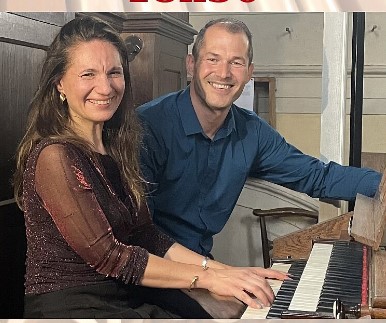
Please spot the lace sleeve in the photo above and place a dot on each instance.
(68, 196)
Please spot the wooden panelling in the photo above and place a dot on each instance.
(29, 32)
(298, 245)
(142, 74)
(160, 66)
(52, 18)
(18, 82)
(23, 38)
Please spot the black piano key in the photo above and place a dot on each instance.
(343, 276)
(284, 295)
(343, 280)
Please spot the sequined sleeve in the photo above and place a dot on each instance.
(149, 236)
(68, 196)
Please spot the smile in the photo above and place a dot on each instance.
(220, 86)
(100, 102)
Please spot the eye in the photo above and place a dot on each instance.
(238, 63)
(116, 73)
(87, 75)
(212, 60)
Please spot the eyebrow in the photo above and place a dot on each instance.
(233, 58)
(94, 70)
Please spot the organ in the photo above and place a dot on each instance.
(338, 267)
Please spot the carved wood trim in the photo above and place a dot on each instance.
(15, 30)
(161, 23)
(298, 245)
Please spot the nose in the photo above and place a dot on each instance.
(103, 85)
(224, 70)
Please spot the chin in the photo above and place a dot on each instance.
(220, 105)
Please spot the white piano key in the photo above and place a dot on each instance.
(306, 296)
(252, 313)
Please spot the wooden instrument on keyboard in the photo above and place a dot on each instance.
(344, 277)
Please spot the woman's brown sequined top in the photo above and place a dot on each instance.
(81, 224)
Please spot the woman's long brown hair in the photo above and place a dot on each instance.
(49, 118)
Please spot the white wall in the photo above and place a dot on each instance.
(295, 60)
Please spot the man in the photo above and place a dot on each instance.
(199, 148)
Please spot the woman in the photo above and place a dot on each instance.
(91, 246)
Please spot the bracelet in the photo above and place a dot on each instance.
(194, 280)
(204, 263)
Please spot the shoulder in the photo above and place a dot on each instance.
(54, 146)
(249, 124)
(242, 115)
(158, 115)
(54, 150)
(248, 114)
(163, 105)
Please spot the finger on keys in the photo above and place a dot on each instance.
(250, 300)
(271, 273)
(263, 292)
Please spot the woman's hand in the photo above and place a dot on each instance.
(248, 284)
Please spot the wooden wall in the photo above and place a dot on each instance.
(23, 39)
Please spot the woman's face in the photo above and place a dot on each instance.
(93, 82)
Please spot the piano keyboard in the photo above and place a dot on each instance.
(307, 293)
(281, 290)
(332, 271)
(252, 313)
(344, 276)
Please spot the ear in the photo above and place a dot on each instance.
(190, 64)
(250, 70)
(59, 86)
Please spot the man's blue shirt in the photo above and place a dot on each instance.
(195, 182)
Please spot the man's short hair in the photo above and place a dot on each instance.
(231, 25)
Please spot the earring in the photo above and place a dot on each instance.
(62, 97)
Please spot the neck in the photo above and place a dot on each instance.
(210, 119)
(93, 135)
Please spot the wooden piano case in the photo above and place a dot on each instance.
(366, 224)
(378, 274)
(298, 245)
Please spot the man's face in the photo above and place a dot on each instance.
(222, 69)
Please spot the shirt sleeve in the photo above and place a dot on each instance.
(68, 196)
(279, 162)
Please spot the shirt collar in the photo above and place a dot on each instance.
(188, 116)
(189, 119)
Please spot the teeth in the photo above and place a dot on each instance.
(220, 86)
(101, 102)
